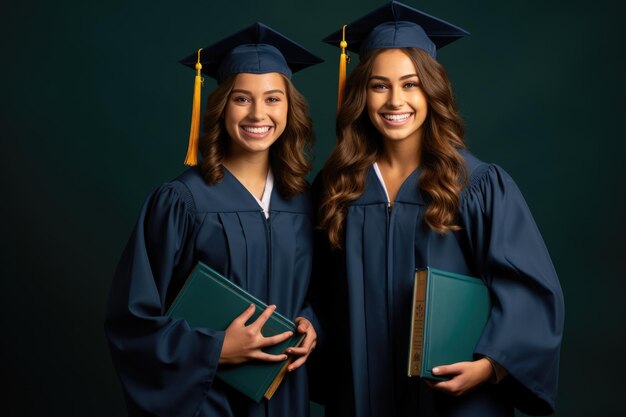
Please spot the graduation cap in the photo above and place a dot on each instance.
(257, 49)
(394, 25)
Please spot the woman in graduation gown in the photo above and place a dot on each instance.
(245, 212)
(400, 191)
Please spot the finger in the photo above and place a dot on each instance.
(308, 339)
(443, 386)
(452, 386)
(262, 356)
(430, 383)
(439, 385)
(263, 317)
(299, 351)
(303, 349)
(310, 336)
(303, 325)
(273, 340)
(245, 316)
(452, 369)
(297, 363)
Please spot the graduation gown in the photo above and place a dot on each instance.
(364, 299)
(167, 368)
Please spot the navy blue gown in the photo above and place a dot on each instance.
(167, 368)
(364, 294)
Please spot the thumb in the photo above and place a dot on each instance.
(454, 368)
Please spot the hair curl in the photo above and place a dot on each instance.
(289, 155)
(444, 172)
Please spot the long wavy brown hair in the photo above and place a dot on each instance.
(444, 172)
(289, 155)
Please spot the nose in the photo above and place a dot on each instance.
(395, 97)
(257, 111)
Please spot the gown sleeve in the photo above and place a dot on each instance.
(524, 330)
(165, 367)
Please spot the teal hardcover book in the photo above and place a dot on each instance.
(448, 316)
(210, 300)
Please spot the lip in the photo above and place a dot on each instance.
(259, 133)
(396, 123)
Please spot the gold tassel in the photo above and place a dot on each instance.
(192, 151)
(344, 59)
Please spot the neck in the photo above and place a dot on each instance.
(249, 166)
(250, 169)
(402, 156)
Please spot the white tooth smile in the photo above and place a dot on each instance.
(256, 130)
(397, 117)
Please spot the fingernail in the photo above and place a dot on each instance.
(435, 370)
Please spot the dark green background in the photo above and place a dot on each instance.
(95, 114)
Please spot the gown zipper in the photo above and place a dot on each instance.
(389, 287)
(268, 240)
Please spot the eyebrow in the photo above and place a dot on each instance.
(241, 91)
(380, 77)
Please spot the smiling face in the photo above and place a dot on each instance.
(256, 112)
(396, 104)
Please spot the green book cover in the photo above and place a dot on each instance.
(210, 300)
(448, 316)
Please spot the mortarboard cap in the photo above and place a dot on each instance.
(394, 25)
(257, 49)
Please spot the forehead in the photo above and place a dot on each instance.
(259, 83)
(391, 63)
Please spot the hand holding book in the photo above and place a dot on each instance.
(464, 376)
(210, 300)
(244, 343)
(305, 327)
(449, 313)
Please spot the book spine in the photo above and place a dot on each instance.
(271, 389)
(417, 323)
